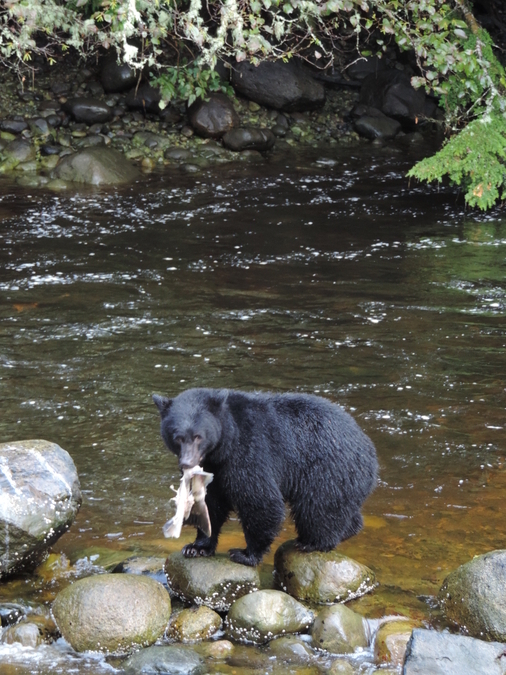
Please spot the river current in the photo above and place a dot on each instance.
(334, 277)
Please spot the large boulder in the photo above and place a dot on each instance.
(112, 612)
(260, 616)
(213, 117)
(216, 582)
(377, 126)
(391, 92)
(249, 139)
(339, 630)
(321, 577)
(145, 98)
(283, 86)
(164, 660)
(432, 653)
(96, 166)
(474, 596)
(39, 499)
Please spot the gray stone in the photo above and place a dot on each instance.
(13, 126)
(432, 653)
(474, 596)
(249, 139)
(40, 497)
(88, 110)
(260, 616)
(284, 86)
(145, 98)
(291, 649)
(321, 577)
(19, 151)
(339, 630)
(25, 633)
(164, 660)
(39, 126)
(213, 117)
(96, 166)
(194, 624)
(178, 154)
(112, 612)
(382, 127)
(216, 582)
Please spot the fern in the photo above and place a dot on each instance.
(474, 159)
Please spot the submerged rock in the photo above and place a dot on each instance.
(321, 577)
(339, 630)
(25, 633)
(391, 641)
(474, 596)
(283, 86)
(291, 649)
(96, 166)
(164, 660)
(194, 624)
(435, 653)
(39, 499)
(112, 612)
(260, 616)
(88, 110)
(216, 582)
(150, 566)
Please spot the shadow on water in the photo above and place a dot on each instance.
(341, 281)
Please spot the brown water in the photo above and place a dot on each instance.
(341, 281)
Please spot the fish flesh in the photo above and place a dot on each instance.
(190, 503)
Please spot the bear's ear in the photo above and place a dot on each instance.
(214, 404)
(162, 403)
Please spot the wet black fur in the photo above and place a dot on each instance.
(267, 449)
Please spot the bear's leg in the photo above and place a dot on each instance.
(261, 522)
(324, 534)
(218, 514)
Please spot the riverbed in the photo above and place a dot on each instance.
(329, 275)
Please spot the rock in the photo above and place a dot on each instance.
(363, 67)
(40, 497)
(260, 616)
(88, 110)
(217, 649)
(39, 126)
(26, 634)
(194, 624)
(474, 596)
(96, 166)
(19, 151)
(169, 660)
(249, 139)
(150, 140)
(112, 612)
(170, 115)
(214, 117)
(378, 127)
(435, 653)
(10, 612)
(150, 566)
(116, 77)
(339, 630)
(145, 98)
(391, 641)
(291, 650)
(13, 126)
(216, 582)
(284, 86)
(178, 154)
(340, 667)
(321, 577)
(391, 92)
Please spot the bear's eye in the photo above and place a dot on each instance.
(197, 437)
(178, 440)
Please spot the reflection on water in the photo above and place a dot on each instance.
(336, 281)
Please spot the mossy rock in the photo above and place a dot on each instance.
(194, 624)
(391, 641)
(321, 577)
(339, 630)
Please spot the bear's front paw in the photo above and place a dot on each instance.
(241, 556)
(195, 550)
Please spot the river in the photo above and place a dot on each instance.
(335, 278)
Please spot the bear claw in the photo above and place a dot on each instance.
(241, 556)
(195, 550)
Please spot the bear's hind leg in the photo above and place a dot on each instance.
(319, 538)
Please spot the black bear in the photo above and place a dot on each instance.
(264, 450)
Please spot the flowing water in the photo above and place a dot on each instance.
(340, 280)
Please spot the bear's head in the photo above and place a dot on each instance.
(190, 425)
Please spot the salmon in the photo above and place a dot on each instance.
(190, 501)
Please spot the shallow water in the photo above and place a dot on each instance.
(341, 280)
